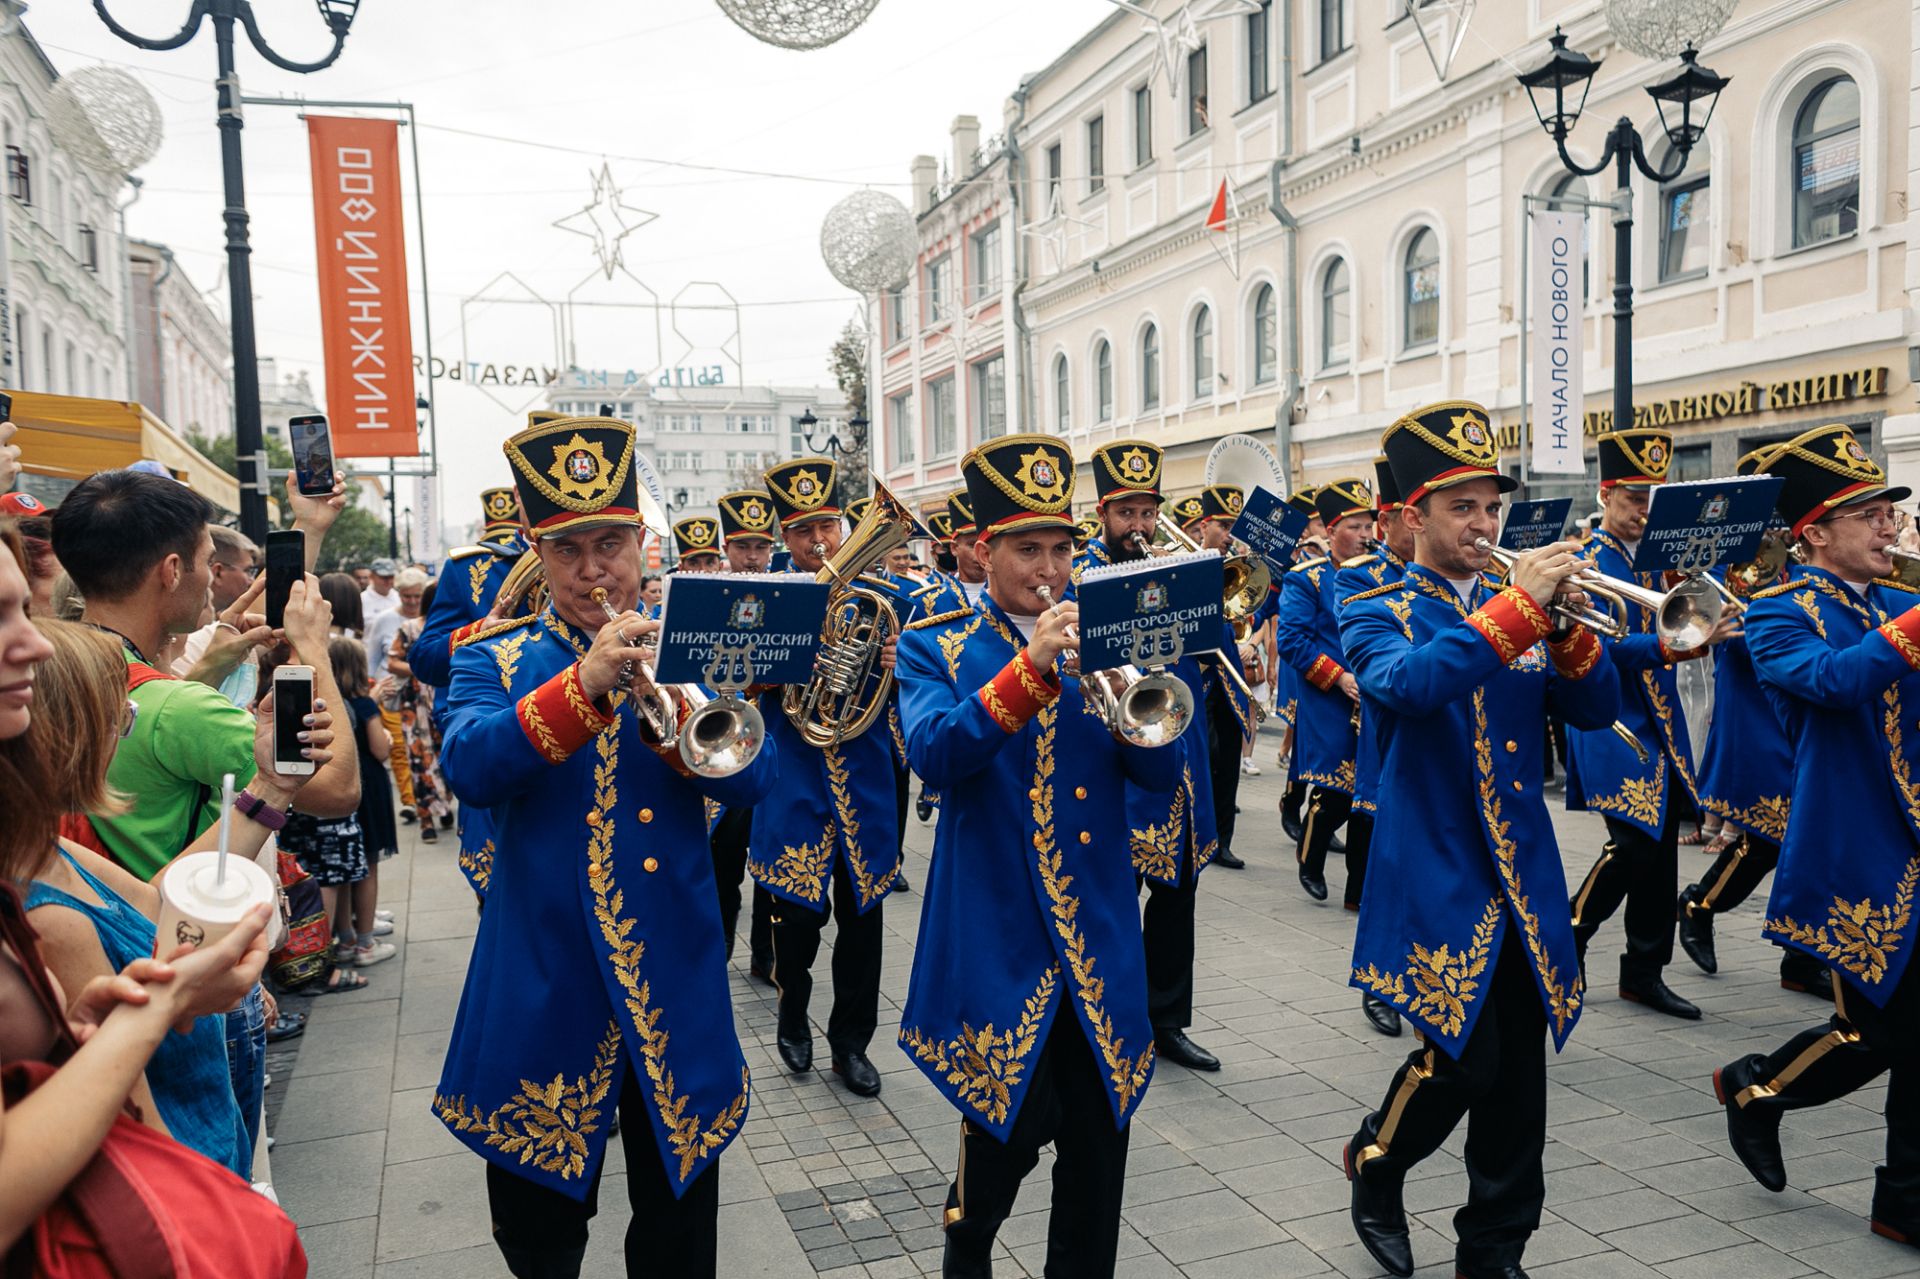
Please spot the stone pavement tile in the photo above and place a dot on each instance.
(439, 925)
(1171, 1184)
(336, 1011)
(1275, 1261)
(340, 1249)
(1155, 1218)
(363, 1046)
(333, 1105)
(1811, 1171)
(1285, 1206)
(1561, 1241)
(1197, 1243)
(1865, 1256)
(1746, 1201)
(440, 1204)
(1150, 1265)
(1746, 1261)
(417, 1059)
(1850, 1196)
(414, 1131)
(1674, 1238)
(1284, 1174)
(1266, 1149)
(1636, 1207)
(482, 1261)
(331, 1179)
(1142, 1160)
(1605, 1265)
(1586, 1181)
(1833, 1120)
(1711, 1172)
(1646, 1152)
(1805, 1228)
(1590, 1134)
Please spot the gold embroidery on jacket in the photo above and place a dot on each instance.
(477, 577)
(848, 823)
(1639, 798)
(952, 641)
(1445, 981)
(1858, 936)
(984, 1066)
(1766, 817)
(506, 655)
(547, 1125)
(478, 864)
(1156, 847)
(801, 869)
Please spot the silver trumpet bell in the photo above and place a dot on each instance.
(1683, 617)
(696, 734)
(1141, 708)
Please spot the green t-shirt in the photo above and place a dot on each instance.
(184, 738)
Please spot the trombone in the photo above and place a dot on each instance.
(696, 734)
(1683, 617)
(1141, 708)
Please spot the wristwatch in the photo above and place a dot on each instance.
(259, 810)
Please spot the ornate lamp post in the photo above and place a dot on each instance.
(832, 445)
(1558, 90)
(249, 450)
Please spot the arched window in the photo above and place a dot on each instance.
(1103, 381)
(1336, 314)
(1203, 353)
(1150, 368)
(1420, 297)
(1572, 187)
(1062, 396)
(1265, 362)
(1686, 216)
(1826, 163)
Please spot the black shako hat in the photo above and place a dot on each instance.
(1020, 482)
(1222, 502)
(939, 522)
(746, 516)
(803, 489)
(1442, 445)
(1825, 469)
(1303, 500)
(697, 535)
(1338, 499)
(1386, 491)
(960, 515)
(1189, 510)
(575, 473)
(500, 511)
(1125, 467)
(1638, 457)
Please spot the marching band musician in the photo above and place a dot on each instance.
(957, 585)
(826, 841)
(1293, 822)
(1645, 801)
(463, 601)
(1325, 736)
(1231, 717)
(1837, 647)
(598, 965)
(1452, 930)
(1172, 837)
(746, 538)
(1030, 935)
(1746, 777)
(890, 573)
(696, 545)
(1385, 564)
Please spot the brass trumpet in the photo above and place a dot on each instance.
(1141, 708)
(1247, 581)
(1683, 617)
(1906, 568)
(698, 735)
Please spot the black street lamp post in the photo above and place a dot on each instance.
(835, 447)
(1569, 73)
(249, 447)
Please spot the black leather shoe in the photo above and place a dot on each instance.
(1336, 847)
(861, 1078)
(1496, 1270)
(1226, 858)
(1174, 1046)
(408, 817)
(1380, 1219)
(901, 884)
(1658, 996)
(1802, 974)
(797, 1053)
(1753, 1131)
(923, 808)
(1696, 933)
(1292, 823)
(1316, 885)
(1381, 1015)
(1900, 1231)
(761, 971)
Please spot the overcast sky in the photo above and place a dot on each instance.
(671, 80)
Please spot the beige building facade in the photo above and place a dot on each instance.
(1377, 224)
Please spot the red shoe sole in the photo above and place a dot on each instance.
(1719, 1089)
(1888, 1232)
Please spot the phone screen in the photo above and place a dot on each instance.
(286, 564)
(312, 445)
(292, 703)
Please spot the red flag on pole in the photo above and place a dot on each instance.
(1217, 215)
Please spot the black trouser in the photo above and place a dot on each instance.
(1326, 811)
(1359, 844)
(1066, 1104)
(1643, 872)
(1735, 873)
(856, 965)
(1823, 1064)
(729, 846)
(1166, 927)
(1499, 1084)
(543, 1233)
(1224, 741)
(902, 787)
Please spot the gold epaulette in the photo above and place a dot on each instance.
(1896, 584)
(1378, 590)
(1359, 561)
(928, 589)
(465, 552)
(937, 618)
(1315, 562)
(488, 632)
(1778, 588)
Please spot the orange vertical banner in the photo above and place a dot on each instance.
(362, 253)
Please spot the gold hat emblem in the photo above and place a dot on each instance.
(1471, 436)
(1040, 476)
(1232, 501)
(697, 533)
(500, 504)
(753, 514)
(580, 468)
(1853, 457)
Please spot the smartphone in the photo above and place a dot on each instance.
(286, 564)
(312, 445)
(6, 407)
(292, 703)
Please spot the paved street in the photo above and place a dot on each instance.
(1234, 1174)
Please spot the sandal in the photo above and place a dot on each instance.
(1720, 842)
(340, 979)
(1694, 838)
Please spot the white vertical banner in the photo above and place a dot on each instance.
(426, 520)
(1557, 409)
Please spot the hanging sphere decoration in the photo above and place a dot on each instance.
(868, 242)
(105, 119)
(1660, 29)
(798, 24)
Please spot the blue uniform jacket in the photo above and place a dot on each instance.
(1364, 573)
(1464, 856)
(468, 584)
(831, 805)
(1746, 771)
(601, 940)
(1309, 642)
(1603, 773)
(1173, 836)
(1841, 675)
(1029, 900)
(941, 595)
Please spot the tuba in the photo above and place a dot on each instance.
(849, 688)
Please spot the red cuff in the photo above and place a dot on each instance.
(1018, 693)
(1324, 673)
(1672, 655)
(1575, 655)
(1903, 632)
(559, 718)
(1511, 622)
(461, 633)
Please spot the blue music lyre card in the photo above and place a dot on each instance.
(1272, 527)
(1149, 612)
(1694, 524)
(735, 629)
(1531, 525)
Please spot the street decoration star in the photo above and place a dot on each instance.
(606, 219)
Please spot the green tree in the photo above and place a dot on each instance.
(219, 450)
(357, 537)
(847, 361)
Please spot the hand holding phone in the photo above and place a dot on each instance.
(311, 441)
(292, 703)
(286, 564)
